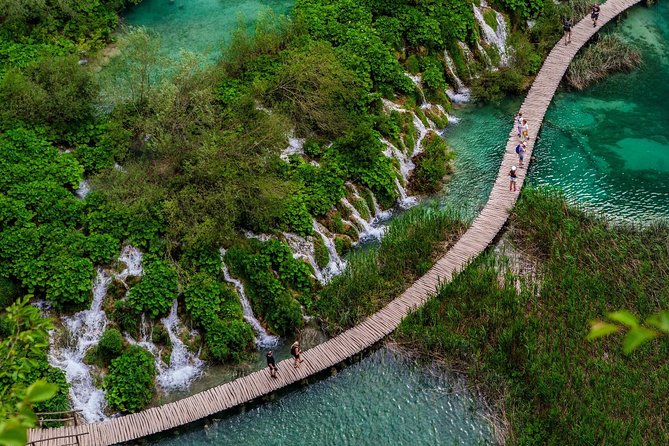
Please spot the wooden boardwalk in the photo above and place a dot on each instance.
(321, 358)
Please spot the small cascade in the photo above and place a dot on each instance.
(145, 341)
(493, 37)
(304, 249)
(422, 133)
(418, 82)
(406, 165)
(295, 147)
(335, 265)
(263, 339)
(132, 257)
(391, 106)
(184, 366)
(486, 57)
(461, 94)
(379, 214)
(405, 200)
(261, 237)
(367, 230)
(469, 56)
(83, 189)
(84, 330)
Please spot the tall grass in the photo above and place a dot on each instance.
(377, 275)
(528, 348)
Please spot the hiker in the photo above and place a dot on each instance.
(519, 123)
(512, 181)
(595, 14)
(271, 363)
(567, 25)
(526, 130)
(520, 150)
(296, 352)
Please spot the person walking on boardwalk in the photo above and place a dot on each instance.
(271, 363)
(512, 179)
(594, 15)
(519, 123)
(567, 25)
(296, 351)
(520, 150)
(526, 130)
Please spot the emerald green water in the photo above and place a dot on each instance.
(200, 26)
(385, 400)
(608, 147)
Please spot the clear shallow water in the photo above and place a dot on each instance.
(608, 147)
(383, 400)
(199, 26)
(479, 141)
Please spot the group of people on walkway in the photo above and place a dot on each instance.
(568, 24)
(296, 353)
(523, 129)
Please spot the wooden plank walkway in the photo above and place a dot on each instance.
(318, 359)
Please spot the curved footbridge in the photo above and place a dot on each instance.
(376, 327)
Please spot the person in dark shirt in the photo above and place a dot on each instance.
(567, 25)
(594, 15)
(271, 363)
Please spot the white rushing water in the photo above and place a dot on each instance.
(295, 147)
(303, 248)
(461, 93)
(263, 339)
(184, 365)
(83, 331)
(367, 229)
(335, 264)
(418, 82)
(497, 37)
(83, 189)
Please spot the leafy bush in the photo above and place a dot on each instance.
(432, 165)
(203, 299)
(157, 290)
(226, 340)
(110, 345)
(129, 385)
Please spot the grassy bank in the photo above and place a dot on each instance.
(377, 275)
(525, 345)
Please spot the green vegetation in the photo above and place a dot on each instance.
(636, 334)
(527, 348)
(27, 381)
(377, 275)
(432, 165)
(610, 54)
(129, 383)
(156, 291)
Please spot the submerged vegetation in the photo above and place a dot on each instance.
(609, 54)
(523, 338)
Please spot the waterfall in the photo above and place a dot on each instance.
(84, 330)
(367, 229)
(184, 366)
(405, 200)
(263, 339)
(295, 147)
(335, 265)
(406, 165)
(493, 37)
(461, 93)
(83, 189)
(132, 257)
(304, 249)
(418, 82)
(422, 133)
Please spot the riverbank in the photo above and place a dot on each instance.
(524, 341)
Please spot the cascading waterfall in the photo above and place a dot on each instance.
(418, 82)
(335, 264)
(83, 189)
(184, 365)
(263, 339)
(461, 93)
(367, 230)
(84, 330)
(304, 249)
(406, 165)
(493, 37)
(295, 147)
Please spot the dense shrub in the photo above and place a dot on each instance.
(227, 339)
(110, 345)
(157, 290)
(129, 384)
(203, 299)
(432, 165)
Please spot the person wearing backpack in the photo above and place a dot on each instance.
(520, 150)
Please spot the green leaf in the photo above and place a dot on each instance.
(660, 321)
(13, 434)
(41, 391)
(637, 336)
(624, 317)
(599, 329)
